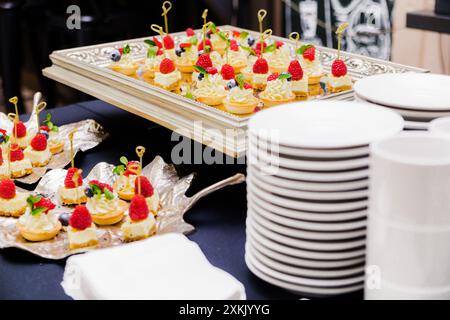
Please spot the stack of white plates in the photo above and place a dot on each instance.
(307, 193)
(418, 97)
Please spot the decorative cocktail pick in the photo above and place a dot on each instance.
(140, 153)
(227, 47)
(166, 6)
(261, 15)
(39, 108)
(14, 118)
(14, 101)
(339, 32)
(264, 36)
(204, 16)
(295, 36)
(158, 29)
(72, 156)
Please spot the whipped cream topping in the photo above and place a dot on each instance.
(237, 58)
(300, 85)
(143, 228)
(126, 61)
(278, 90)
(216, 59)
(339, 81)
(71, 194)
(100, 205)
(36, 156)
(21, 165)
(259, 78)
(167, 79)
(311, 68)
(188, 57)
(38, 222)
(125, 183)
(238, 95)
(280, 58)
(82, 236)
(152, 63)
(214, 80)
(15, 204)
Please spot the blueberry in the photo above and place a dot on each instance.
(2, 137)
(250, 41)
(45, 133)
(183, 49)
(231, 84)
(64, 219)
(200, 76)
(178, 52)
(115, 55)
(201, 52)
(88, 192)
(208, 35)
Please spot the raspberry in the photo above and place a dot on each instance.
(45, 128)
(279, 44)
(7, 189)
(81, 218)
(168, 42)
(190, 32)
(45, 202)
(261, 66)
(247, 86)
(185, 45)
(227, 72)
(3, 131)
(296, 71)
(96, 183)
(121, 50)
(258, 46)
(146, 187)
(157, 42)
(204, 61)
(101, 185)
(138, 208)
(21, 129)
(159, 52)
(133, 168)
(310, 54)
(236, 34)
(338, 68)
(166, 66)
(69, 182)
(211, 70)
(234, 45)
(273, 76)
(39, 142)
(15, 154)
(207, 43)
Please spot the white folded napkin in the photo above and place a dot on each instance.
(162, 267)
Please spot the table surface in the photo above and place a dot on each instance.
(219, 218)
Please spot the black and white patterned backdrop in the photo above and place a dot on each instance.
(369, 31)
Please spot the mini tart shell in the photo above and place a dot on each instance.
(312, 80)
(211, 100)
(339, 89)
(110, 218)
(185, 68)
(38, 236)
(90, 243)
(41, 164)
(128, 71)
(130, 239)
(278, 69)
(21, 173)
(271, 103)
(15, 214)
(315, 90)
(241, 108)
(124, 195)
(300, 95)
(71, 202)
(57, 148)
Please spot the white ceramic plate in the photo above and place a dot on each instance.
(441, 126)
(311, 153)
(306, 225)
(302, 290)
(306, 244)
(417, 91)
(304, 234)
(330, 207)
(304, 254)
(305, 215)
(415, 125)
(314, 195)
(302, 272)
(309, 186)
(329, 165)
(338, 176)
(326, 124)
(305, 263)
(323, 283)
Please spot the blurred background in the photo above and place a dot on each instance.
(31, 29)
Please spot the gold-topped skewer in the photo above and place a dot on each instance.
(14, 118)
(140, 150)
(295, 36)
(204, 16)
(39, 108)
(158, 29)
(339, 32)
(261, 15)
(72, 156)
(166, 6)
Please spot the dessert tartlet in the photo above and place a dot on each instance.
(20, 166)
(339, 80)
(4, 141)
(127, 172)
(122, 61)
(4, 169)
(139, 224)
(186, 57)
(299, 81)
(39, 223)
(169, 47)
(38, 151)
(278, 90)
(210, 87)
(310, 63)
(168, 76)
(280, 58)
(190, 37)
(81, 231)
(260, 73)
(72, 192)
(54, 140)
(236, 57)
(149, 193)
(21, 135)
(12, 203)
(104, 206)
(240, 98)
(218, 41)
(153, 60)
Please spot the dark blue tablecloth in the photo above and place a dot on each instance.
(219, 218)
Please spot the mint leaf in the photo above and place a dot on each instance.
(32, 200)
(38, 210)
(119, 169)
(193, 40)
(126, 49)
(50, 125)
(189, 95)
(213, 27)
(6, 138)
(243, 35)
(303, 48)
(249, 50)
(286, 75)
(54, 128)
(123, 160)
(152, 52)
(48, 118)
(222, 36)
(271, 48)
(240, 81)
(207, 48)
(108, 194)
(200, 70)
(150, 42)
(96, 189)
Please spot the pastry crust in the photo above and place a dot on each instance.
(259, 86)
(240, 108)
(175, 86)
(301, 95)
(315, 90)
(21, 173)
(111, 218)
(124, 195)
(211, 100)
(312, 80)
(238, 67)
(38, 236)
(90, 243)
(271, 103)
(71, 202)
(57, 148)
(129, 239)
(126, 71)
(277, 69)
(184, 68)
(41, 164)
(14, 214)
(339, 89)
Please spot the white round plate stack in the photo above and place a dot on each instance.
(418, 97)
(307, 192)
